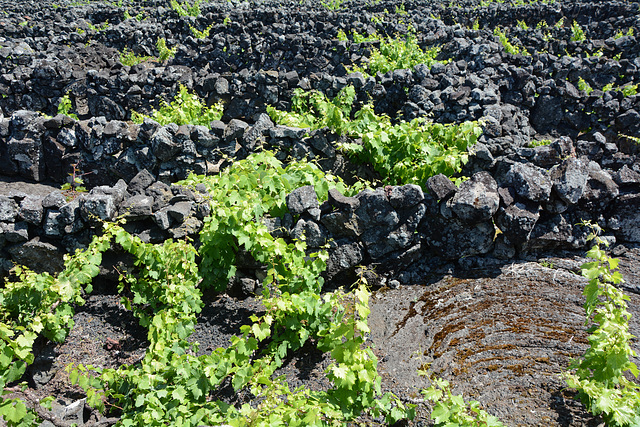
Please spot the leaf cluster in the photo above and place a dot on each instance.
(397, 53)
(186, 9)
(402, 153)
(164, 53)
(599, 375)
(186, 108)
(36, 305)
(508, 46)
(452, 411)
(64, 106)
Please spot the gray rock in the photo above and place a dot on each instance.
(141, 182)
(203, 137)
(380, 242)
(339, 201)
(530, 182)
(38, 256)
(441, 186)
(302, 200)
(190, 227)
(626, 176)
(165, 147)
(313, 234)
(180, 211)
(600, 188)
(234, 130)
(627, 217)
(342, 224)
(15, 232)
(517, 221)
(8, 209)
(570, 179)
(553, 233)
(161, 218)
(453, 239)
(345, 256)
(137, 207)
(546, 113)
(279, 132)
(54, 200)
(27, 154)
(118, 191)
(405, 196)
(31, 210)
(161, 194)
(319, 142)
(477, 199)
(376, 211)
(256, 133)
(53, 224)
(97, 207)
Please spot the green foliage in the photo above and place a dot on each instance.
(332, 4)
(523, 25)
(186, 108)
(451, 410)
(400, 10)
(406, 152)
(171, 386)
(396, 54)
(64, 106)
(164, 53)
(599, 376)
(584, 86)
(621, 34)
(127, 57)
(539, 143)
(200, 34)
(97, 29)
(40, 305)
(630, 90)
(185, 9)
(508, 46)
(560, 23)
(577, 33)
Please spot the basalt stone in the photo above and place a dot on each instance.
(98, 207)
(54, 200)
(162, 219)
(15, 232)
(376, 211)
(441, 186)
(339, 201)
(453, 239)
(569, 179)
(163, 144)
(555, 232)
(27, 155)
(600, 188)
(190, 227)
(314, 235)
(117, 191)
(477, 199)
(8, 209)
(627, 177)
(517, 221)
(234, 130)
(141, 182)
(137, 207)
(530, 182)
(626, 218)
(161, 194)
(180, 211)
(547, 113)
(256, 133)
(38, 255)
(345, 256)
(31, 210)
(406, 196)
(304, 199)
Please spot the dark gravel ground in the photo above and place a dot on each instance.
(500, 336)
